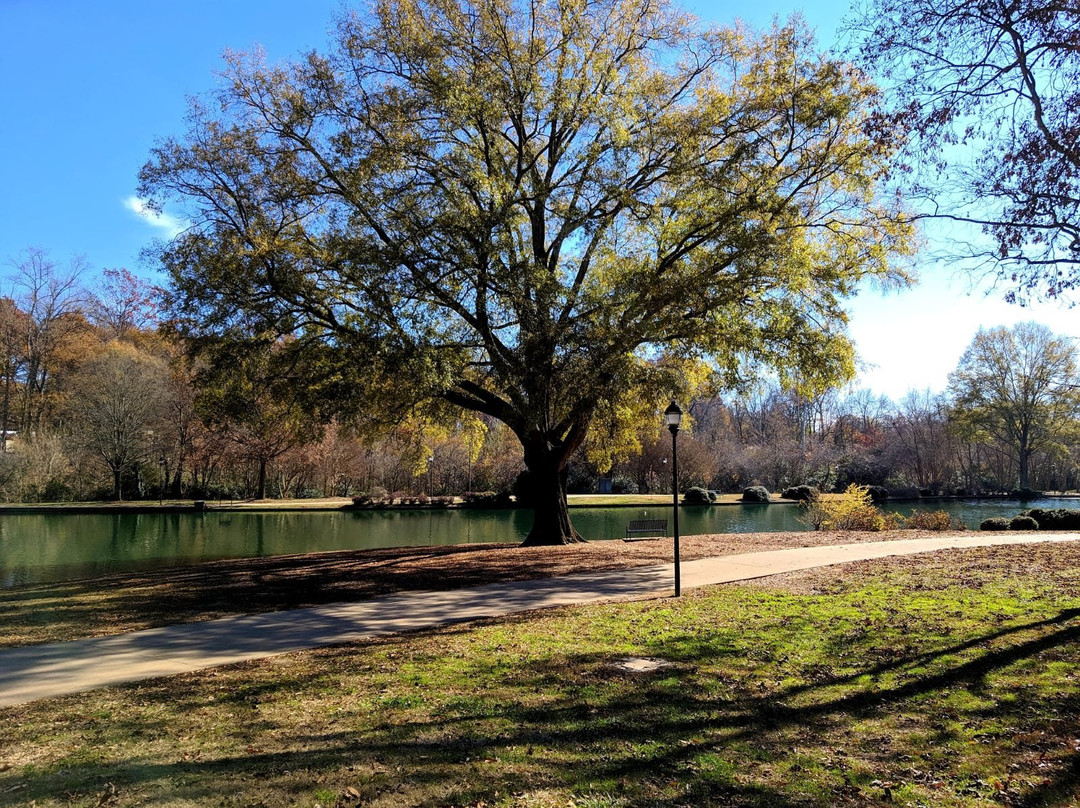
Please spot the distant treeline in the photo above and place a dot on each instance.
(97, 402)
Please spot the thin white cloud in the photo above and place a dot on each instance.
(162, 221)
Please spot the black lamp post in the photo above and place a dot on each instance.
(673, 416)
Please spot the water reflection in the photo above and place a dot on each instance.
(50, 547)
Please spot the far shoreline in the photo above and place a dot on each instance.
(345, 504)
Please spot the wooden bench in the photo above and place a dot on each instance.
(639, 526)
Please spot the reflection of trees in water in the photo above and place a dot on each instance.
(54, 547)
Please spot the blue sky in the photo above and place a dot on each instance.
(88, 88)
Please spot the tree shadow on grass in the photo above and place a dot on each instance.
(1059, 790)
(210, 590)
(577, 724)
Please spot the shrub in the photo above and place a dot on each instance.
(878, 493)
(994, 523)
(623, 485)
(698, 496)
(486, 499)
(1055, 518)
(1027, 493)
(362, 500)
(895, 521)
(933, 520)
(755, 493)
(802, 493)
(206, 492)
(57, 491)
(905, 493)
(851, 510)
(862, 469)
(1023, 523)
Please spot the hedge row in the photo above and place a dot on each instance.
(1036, 519)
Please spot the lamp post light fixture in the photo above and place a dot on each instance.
(142, 476)
(163, 468)
(673, 417)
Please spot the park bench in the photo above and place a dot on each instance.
(640, 526)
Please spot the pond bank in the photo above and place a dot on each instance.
(337, 504)
(133, 599)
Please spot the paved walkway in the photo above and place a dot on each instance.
(41, 671)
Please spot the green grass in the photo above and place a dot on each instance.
(935, 682)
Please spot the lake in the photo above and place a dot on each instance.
(37, 548)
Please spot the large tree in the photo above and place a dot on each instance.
(1018, 387)
(991, 89)
(535, 209)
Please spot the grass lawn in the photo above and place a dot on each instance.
(944, 680)
(597, 500)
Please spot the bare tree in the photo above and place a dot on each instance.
(119, 406)
(990, 90)
(53, 301)
(922, 448)
(124, 303)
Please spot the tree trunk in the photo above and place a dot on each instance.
(547, 490)
(261, 493)
(6, 419)
(118, 491)
(1025, 461)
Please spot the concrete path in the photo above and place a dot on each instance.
(41, 671)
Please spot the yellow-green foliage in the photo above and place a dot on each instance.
(556, 199)
(622, 422)
(852, 510)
